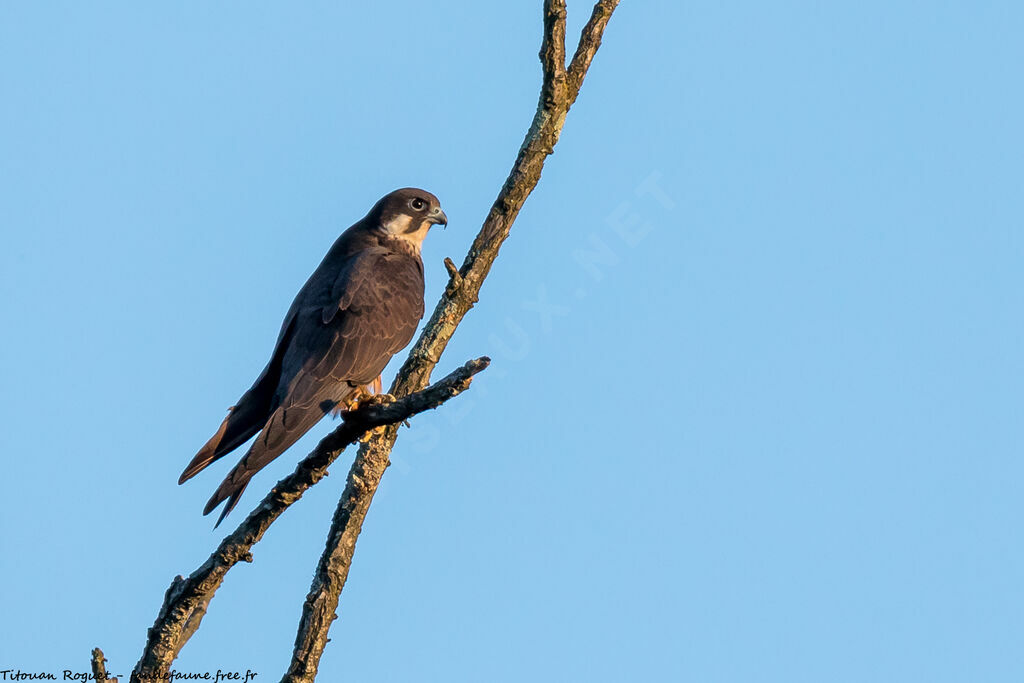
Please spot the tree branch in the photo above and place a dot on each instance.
(558, 92)
(590, 40)
(186, 600)
(552, 54)
(98, 664)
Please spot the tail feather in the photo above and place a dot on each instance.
(241, 423)
(284, 428)
(206, 454)
(231, 489)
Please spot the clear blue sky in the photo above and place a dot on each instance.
(772, 433)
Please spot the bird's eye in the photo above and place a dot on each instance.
(417, 204)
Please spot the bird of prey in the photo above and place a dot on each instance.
(358, 308)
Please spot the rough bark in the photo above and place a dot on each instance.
(186, 600)
(559, 90)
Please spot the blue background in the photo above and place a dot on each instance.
(755, 406)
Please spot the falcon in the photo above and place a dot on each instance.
(358, 308)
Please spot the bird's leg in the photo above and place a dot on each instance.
(359, 395)
(373, 393)
(351, 401)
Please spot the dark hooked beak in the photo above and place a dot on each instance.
(437, 216)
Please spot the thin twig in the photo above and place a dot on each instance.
(186, 599)
(98, 664)
(558, 92)
(590, 40)
(454, 276)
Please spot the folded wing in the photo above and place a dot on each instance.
(336, 338)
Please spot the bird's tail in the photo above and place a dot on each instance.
(285, 426)
(242, 422)
(231, 489)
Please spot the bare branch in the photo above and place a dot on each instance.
(590, 40)
(373, 458)
(186, 599)
(98, 664)
(454, 276)
(552, 54)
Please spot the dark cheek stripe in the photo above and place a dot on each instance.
(414, 226)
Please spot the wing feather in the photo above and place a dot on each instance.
(341, 337)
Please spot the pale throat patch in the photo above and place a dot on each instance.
(399, 227)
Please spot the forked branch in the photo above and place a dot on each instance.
(559, 89)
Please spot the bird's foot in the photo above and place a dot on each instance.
(374, 388)
(362, 395)
(350, 403)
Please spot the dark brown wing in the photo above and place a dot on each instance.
(335, 345)
(249, 413)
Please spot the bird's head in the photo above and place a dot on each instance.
(408, 214)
